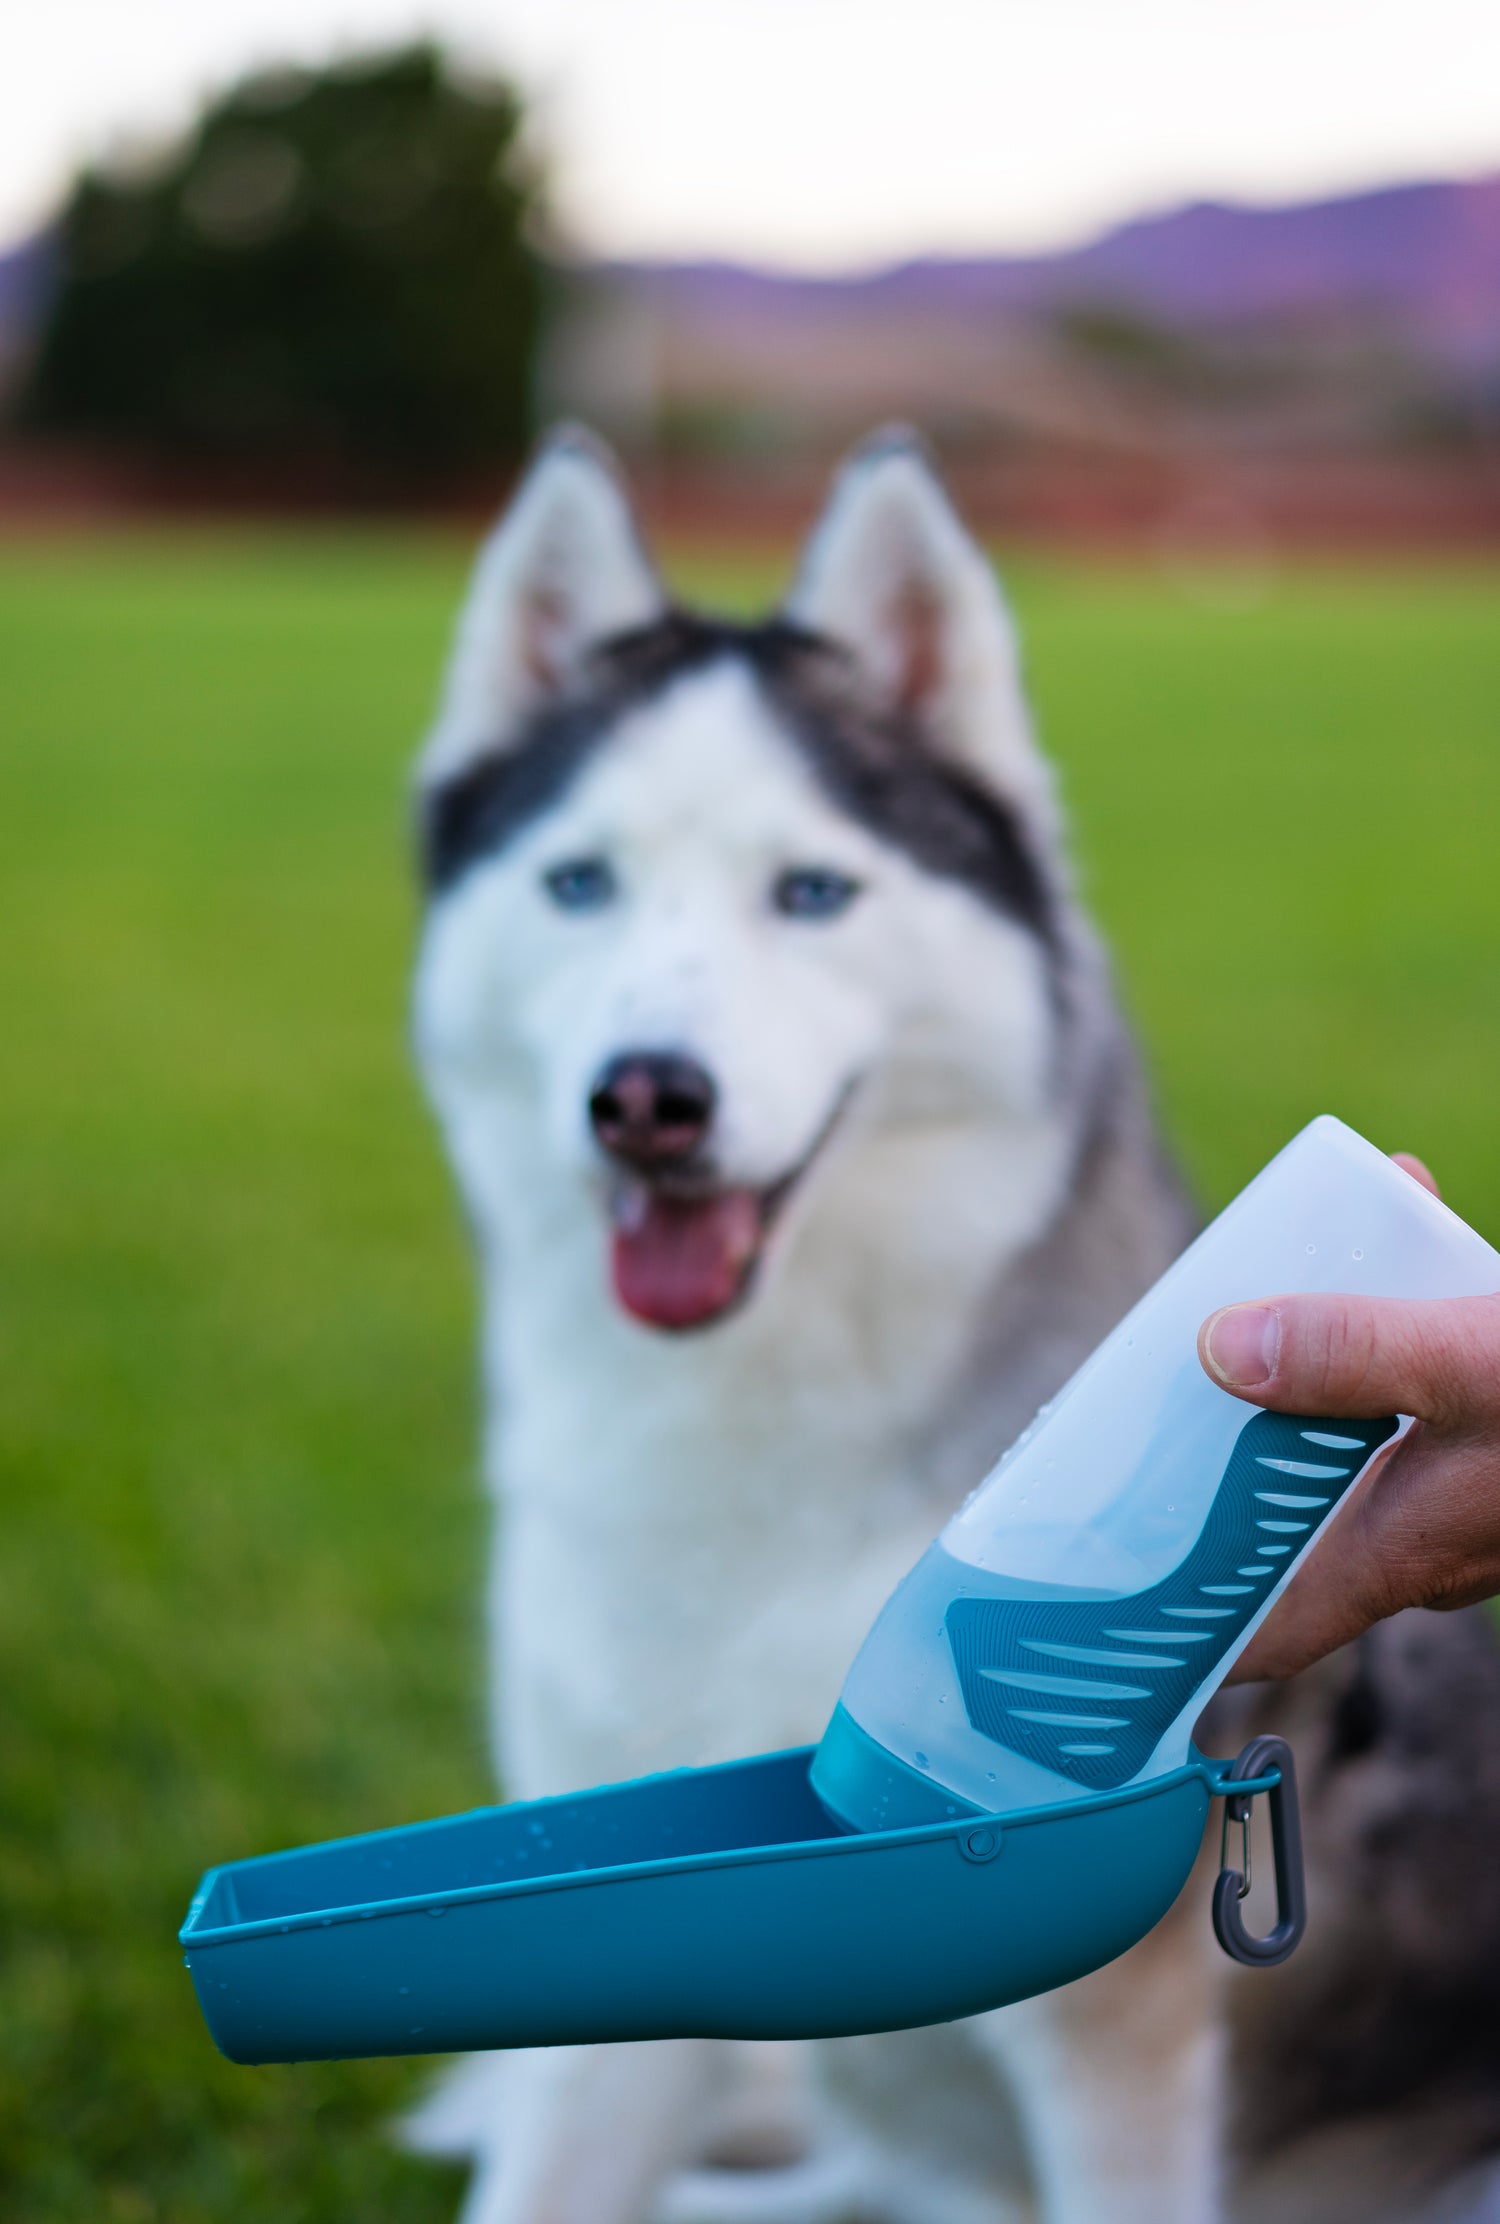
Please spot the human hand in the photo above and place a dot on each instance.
(1423, 1527)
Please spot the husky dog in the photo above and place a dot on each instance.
(807, 1153)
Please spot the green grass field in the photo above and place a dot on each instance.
(239, 1577)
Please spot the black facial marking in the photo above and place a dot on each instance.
(477, 812)
(874, 764)
(482, 808)
(879, 766)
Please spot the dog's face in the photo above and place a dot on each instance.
(706, 899)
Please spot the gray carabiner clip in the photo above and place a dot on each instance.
(1263, 1756)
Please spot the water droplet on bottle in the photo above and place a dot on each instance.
(1312, 1250)
(1356, 1254)
(921, 1760)
(403, 1990)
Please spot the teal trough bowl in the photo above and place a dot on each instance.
(716, 1902)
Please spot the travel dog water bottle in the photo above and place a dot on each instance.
(1068, 1627)
(1007, 1796)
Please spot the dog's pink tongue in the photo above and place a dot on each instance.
(678, 1261)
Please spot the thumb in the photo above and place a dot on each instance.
(1361, 1356)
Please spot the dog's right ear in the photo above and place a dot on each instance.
(564, 569)
(891, 574)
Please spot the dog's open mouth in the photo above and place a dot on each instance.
(680, 1258)
(684, 1251)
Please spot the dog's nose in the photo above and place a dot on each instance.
(651, 1108)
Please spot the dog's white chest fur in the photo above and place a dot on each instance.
(695, 1535)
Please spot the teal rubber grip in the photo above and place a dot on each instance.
(1089, 1687)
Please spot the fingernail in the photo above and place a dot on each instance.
(1243, 1344)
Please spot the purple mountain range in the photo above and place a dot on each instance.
(1423, 259)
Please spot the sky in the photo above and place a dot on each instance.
(828, 133)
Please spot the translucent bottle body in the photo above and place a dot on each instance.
(1077, 1613)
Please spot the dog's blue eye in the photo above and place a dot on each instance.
(813, 892)
(582, 884)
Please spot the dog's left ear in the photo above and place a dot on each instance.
(891, 574)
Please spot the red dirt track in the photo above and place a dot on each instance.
(1202, 505)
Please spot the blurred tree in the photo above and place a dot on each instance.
(338, 264)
